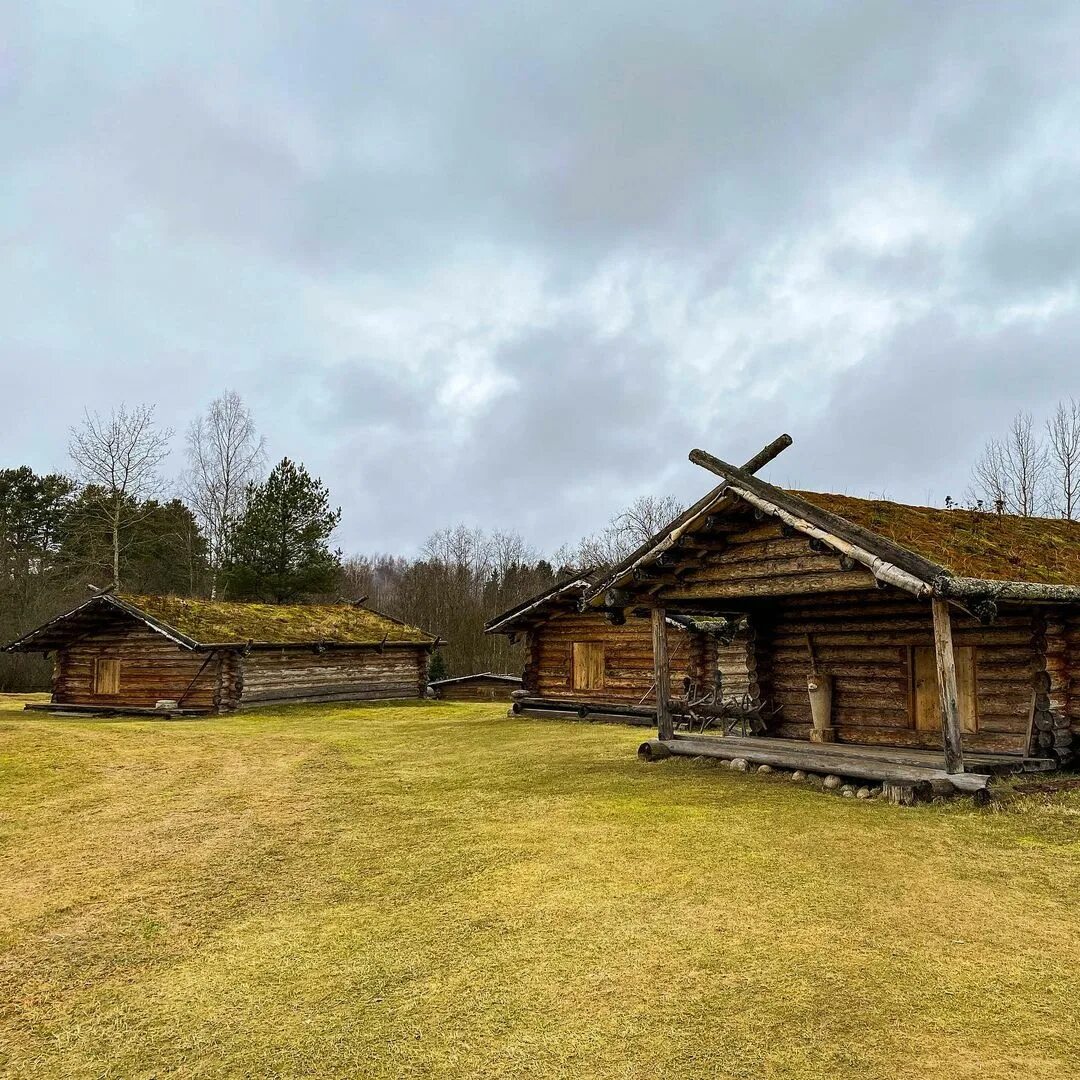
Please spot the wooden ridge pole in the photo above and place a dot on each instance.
(946, 673)
(662, 671)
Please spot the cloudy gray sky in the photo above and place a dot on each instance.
(507, 263)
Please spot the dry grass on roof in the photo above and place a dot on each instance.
(219, 621)
(1000, 547)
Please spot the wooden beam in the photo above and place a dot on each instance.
(662, 672)
(946, 673)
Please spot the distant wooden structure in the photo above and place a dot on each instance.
(168, 655)
(583, 664)
(484, 686)
(885, 641)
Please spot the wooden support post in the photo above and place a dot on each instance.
(662, 671)
(946, 674)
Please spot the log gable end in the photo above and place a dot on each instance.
(750, 558)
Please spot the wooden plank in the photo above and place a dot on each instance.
(946, 676)
(662, 673)
(821, 758)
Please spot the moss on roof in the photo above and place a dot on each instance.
(998, 547)
(214, 622)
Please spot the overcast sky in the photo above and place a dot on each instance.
(508, 263)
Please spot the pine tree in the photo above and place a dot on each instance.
(280, 548)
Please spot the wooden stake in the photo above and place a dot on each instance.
(946, 673)
(662, 671)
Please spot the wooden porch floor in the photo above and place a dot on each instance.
(877, 763)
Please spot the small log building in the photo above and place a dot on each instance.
(884, 641)
(136, 654)
(485, 686)
(582, 663)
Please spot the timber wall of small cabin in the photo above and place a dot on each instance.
(628, 660)
(477, 690)
(866, 641)
(361, 674)
(1072, 679)
(151, 668)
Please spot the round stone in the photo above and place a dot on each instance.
(798, 774)
(832, 782)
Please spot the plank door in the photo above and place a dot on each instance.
(588, 665)
(926, 699)
(106, 676)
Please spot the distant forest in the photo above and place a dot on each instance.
(232, 528)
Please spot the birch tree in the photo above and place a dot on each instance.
(225, 455)
(117, 458)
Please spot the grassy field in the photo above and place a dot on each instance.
(439, 891)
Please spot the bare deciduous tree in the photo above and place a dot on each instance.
(1011, 473)
(117, 459)
(224, 455)
(642, 519)
(1063, 435)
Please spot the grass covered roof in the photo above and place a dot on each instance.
(219, 622)
(969, 543)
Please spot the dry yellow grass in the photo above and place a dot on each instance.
(437, 891)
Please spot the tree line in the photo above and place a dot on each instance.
(1033, 469)
(227, 528)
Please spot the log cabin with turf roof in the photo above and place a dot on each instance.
(169, 655)
(898, 644)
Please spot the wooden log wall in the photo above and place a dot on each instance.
(1052, 683)
(230, 682)
(740, 558)
(152, 668)
(361, 674)
(865, 642)
(1072, 654)
(738, 665)
(628, 659)
(477, 690)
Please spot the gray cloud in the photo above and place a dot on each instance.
(509, 264)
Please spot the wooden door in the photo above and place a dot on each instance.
(926, 699)
(588, 664)
(107, 677)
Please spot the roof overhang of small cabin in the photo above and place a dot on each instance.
(560, 597)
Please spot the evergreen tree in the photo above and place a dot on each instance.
(280, 548)
(437, 667)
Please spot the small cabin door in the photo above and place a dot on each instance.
(926, 699)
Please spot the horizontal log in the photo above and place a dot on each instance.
(814, 759)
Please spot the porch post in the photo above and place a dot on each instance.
(662, 671)
(946, 676)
